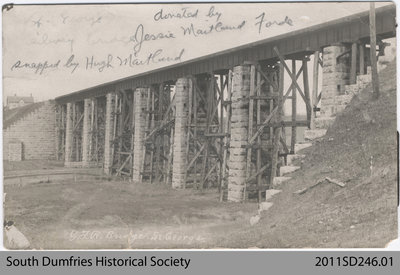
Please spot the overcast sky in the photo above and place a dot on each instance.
(49, 51)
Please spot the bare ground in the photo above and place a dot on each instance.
(116, 214)
(120, 215)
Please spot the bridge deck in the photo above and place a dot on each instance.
(348, 29)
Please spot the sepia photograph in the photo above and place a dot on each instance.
(199, 125)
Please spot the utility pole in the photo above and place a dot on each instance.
(372, 31)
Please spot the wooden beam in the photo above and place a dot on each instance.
(189, 122)
(314, 97)
(164, 122)
(159, 139)
(221, 128)
(195, 111)
(258, 174)
(372, 30)
(152, 124)
(307, 91)
(267, 120)
(294, 111)
(277, 130)
(79, 121)
(226, 138)
(258, 160)
(362, 64)
(291, 74)
(353, 65)
(283, 142)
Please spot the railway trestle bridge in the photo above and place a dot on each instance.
(217, 121)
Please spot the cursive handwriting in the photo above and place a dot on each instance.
(212, 13)
(141, 36)
(71, 63)
(138, 38)
(218, 27)
(45, 40)
(99, 64)
(152, 58)
(262, 22)
(37, 67)
(184, 13)
(91, 63)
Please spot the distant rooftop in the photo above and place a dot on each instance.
(17, 99)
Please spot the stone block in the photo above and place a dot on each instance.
(300, 146)
(292, 158)
(279, 180)
(284, 170)
(311, 135)
(264, 206)
(270, 193)
(323, 122)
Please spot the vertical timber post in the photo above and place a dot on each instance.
(189, 129)
(307, 91)
(258, 122)
(372, 30)
(353, 66)
(294, 108)
(314, 97)
(227, 129)
(362, 66)
(278, 129)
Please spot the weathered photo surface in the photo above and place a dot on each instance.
(237, 125)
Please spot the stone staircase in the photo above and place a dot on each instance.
(329, 110)
(337, 105)
(327, 117)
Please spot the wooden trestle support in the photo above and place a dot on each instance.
(188, 133)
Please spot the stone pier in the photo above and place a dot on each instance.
(139, 110)
(86, 134)
(68, 134)
(239, 128)
(336, 74)
(109, 128)
(182, 90)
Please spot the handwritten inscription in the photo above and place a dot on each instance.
(152, 58)
(218, 27)
(44, 39)
(144, 44)
(212, 12)
(71, 64)
(92, 63)
(183, 13)
(36, 67)
(140, 37)
(265, 23)
(99, 64)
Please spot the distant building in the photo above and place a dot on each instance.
(18, 101)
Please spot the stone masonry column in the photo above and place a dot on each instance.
(68, 133)
(182, 90)
(239, 126)
(139, 110)
(109, 128)
(336, 74)
(86, 135)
